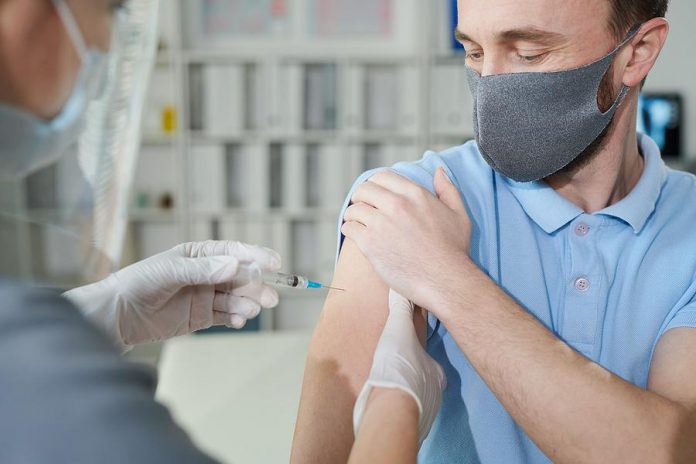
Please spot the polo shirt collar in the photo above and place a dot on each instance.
(551, 211)
(543, 205)
(638, 205)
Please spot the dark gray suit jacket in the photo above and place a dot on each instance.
(66, 396)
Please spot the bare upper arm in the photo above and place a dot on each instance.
(339, 359)
(673, 368)
(352, 321)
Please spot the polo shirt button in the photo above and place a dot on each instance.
(582, 284)
(582, 229)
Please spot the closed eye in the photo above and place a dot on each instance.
(474, 56)
(531, 59)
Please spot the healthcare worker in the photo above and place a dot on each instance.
(65, 394)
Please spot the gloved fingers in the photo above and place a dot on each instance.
(398, 303)
(432, 398)
(239, 305)
(433, 369)
(201, 299)
(399, 331)
(265, 295)
(268, 260)
(441, 377)
(204, 271)
(234, 321)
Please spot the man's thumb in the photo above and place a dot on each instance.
(446, 191)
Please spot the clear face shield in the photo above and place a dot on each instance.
(64, 217)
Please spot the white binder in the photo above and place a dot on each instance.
(224, 99)
(207, 168)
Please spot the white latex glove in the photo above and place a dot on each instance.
(401, 362)
(188, 288)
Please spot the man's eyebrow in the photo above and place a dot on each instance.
(529, 34)
(461, 37)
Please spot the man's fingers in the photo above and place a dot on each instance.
(360, 212)
(447, 192)
(395, 183)
(239, 305)
(356, 232)
(375, 195)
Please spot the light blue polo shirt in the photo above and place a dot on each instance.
(609, 284)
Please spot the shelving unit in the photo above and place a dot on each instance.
(278, 113)
(254, 130)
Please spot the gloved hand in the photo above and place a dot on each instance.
(188, 288)
(401, 362)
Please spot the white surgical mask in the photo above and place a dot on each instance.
(29, 143)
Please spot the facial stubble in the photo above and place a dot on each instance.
(605, 99)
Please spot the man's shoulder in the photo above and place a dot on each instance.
(669, 226)
(464, 165)
(685, 181)
(679, 194)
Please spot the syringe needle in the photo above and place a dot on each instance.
(335, 288)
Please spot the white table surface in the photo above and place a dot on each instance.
(236, 394)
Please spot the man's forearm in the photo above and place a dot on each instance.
(575, 410)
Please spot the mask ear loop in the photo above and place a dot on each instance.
(629, 36)
(624, 91)
(71, 27)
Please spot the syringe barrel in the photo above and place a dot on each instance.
(250, 274)
(285, 280)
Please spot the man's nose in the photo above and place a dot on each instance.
(492, 66)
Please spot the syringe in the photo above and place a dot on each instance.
(251, 273)
(281, 279)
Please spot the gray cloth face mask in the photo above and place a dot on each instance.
(531, 125)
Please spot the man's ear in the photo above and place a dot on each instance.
(646, 47)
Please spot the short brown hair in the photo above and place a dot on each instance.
(628, 13)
